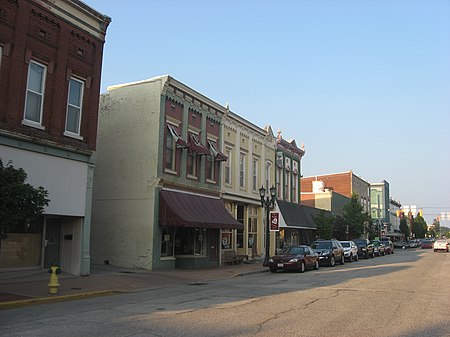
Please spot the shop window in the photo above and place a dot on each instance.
(240, 232)
(227, 237)
(252, 227)
(167, 239)
(190, 241)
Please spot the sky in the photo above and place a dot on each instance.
(364, 85)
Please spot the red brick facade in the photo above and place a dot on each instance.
(339, 182)
(29, 31)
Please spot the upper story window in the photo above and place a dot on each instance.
(278, 181)
(210, 165)
(34, 100)
(255, 175)
(169, 162)
(267, 177)
(74, 107)
(294, 187)
(287, 185)
(228, 166)
(242, 170)
(191, 164)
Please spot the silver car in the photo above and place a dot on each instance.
(350, 250)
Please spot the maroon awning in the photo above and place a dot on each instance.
(186, 210)
(196, 146)
(218, 156)
(181, 143)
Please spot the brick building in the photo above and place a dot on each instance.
(343, 184)
(50, 66)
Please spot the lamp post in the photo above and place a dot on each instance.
(267, 202)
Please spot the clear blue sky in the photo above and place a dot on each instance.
(365, 85)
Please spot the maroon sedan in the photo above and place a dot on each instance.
(426, 244)
(296, 258)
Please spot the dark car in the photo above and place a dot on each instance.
(388, 246)
(330, 252)
(296, 258)
(378, 248)
(365, 248)
(426, 244)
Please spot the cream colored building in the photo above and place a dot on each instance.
(250, 165)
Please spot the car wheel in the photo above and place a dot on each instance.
(356, 257)
(351, 258)
(332, 261)
(316, 265)
(273, 270)
(342, 259)
(302, 267)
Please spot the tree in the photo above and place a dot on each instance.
(419, 227)
(340, 230)
(20, 202)
(324, 223)
(404, 227)
(354, 216)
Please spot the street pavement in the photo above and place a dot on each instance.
(22, 288)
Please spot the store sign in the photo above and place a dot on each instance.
(274, 221)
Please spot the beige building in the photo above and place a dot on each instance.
(250, 165)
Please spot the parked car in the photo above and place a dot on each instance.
(440, 245)
(426, 244)
(414, 243)
(296, 258)
(329, 251)
(388, 246)
(365, 248)
(350, 250)
(378, 248)
(401, 244)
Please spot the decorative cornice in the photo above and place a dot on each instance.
(45, 18)
(83, 38)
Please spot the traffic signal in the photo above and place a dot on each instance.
(398, 213)
(420, 212)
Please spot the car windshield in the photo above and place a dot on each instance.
(345, 244)
(322, 245)
(375, 243)
(360, 242)
(296, 251)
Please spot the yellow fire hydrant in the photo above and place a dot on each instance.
(53, 284)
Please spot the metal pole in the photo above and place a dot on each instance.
(266, 257)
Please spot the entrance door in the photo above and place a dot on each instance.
(213, 245)
(52, 242)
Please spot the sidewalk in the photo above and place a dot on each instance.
(20, 288)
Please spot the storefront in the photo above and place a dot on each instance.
(297, 226)
(192, 229)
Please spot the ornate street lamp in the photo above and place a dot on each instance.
(267, 202)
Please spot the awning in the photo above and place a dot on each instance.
(196, 146)
(298, 216)
(187, 210)
(181, 143)
(219, 156)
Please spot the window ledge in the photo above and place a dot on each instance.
(72, 135)
(33, 124)
(167, 258)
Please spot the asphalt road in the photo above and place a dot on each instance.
(405, 294)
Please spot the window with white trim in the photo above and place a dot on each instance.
(191, 164)
(210, 165)
(267, 180)
(287, 185)
(34, 100)
(255, 175)
(294, 186)
(242, 170)
(74, 106)
(228, 166)
(252, 228)
(170, 153)
(278, 182)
